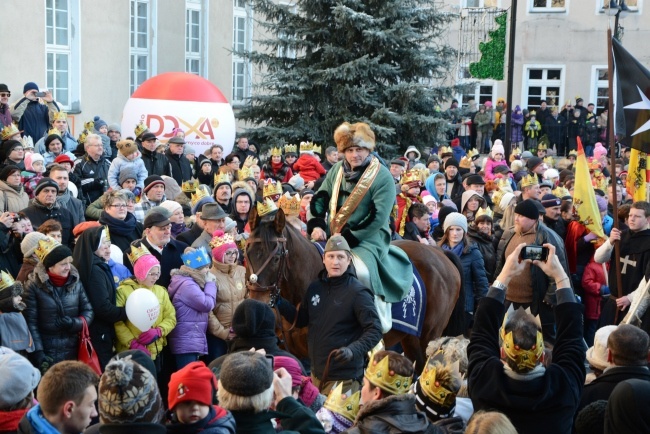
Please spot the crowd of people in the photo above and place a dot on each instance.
(88, 225)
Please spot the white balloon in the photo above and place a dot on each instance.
(142, 308)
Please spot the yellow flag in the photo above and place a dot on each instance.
(636, 175)
(584, 198)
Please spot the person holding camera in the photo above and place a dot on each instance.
(33, 111)
(93, 170)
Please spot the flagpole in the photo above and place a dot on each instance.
(612, 154)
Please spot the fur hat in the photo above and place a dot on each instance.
(253, 318)
(126, 147)
(455, 219)
(126, 173)
(527, 208)
(19, 378)
(359, 134)
(497, 148)
(194, 382)
(128, 393)
(246, 373)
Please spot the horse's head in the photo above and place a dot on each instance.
(265, 256)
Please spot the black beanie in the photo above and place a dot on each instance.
(533, 162)
(527, 208)
(8, 146)
(452, 162)
(58, 254)
(253, 318)
(6, 171)
(443, 213)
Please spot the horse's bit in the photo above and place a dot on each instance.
(252, 284)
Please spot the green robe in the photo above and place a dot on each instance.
(367, 232)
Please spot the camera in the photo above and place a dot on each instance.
(539, 253)
(40, 94)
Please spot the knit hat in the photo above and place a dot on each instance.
(443, 213)
(230, 225)
(198, 206)
(526, 155)
(253, 318)
(497, 148)
(308, 392)
(63, 158)
(505, 200)
(126, 173)
(115, 127)
(19, 378)
(337, 243)
(58, 254)
(222, 244)
(189, 150)
(52, 137)
(597, 354)
(153, 180)
(140, 357)
(195, 382)
(126, 147)
(551, 200)
(452, 162)
(297, 182)
(527, 208)
(8, 146)
(450, 203)
(8, 171)
(30, 243)
(81, 227)
(599, 151)
(99, 123)
(591, 419)
(245, 373)
(171, 206)
(30, 85)
(428, 198)
(128, 393)
(602, 203)
(533, 162)
(455, 219)
(206, 161)
(45, 182)
(33, 158)
(143, 266)
(305, 191)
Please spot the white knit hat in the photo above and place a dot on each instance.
(456, 219)
(497, 148)
(505, 200)
(29, 244)
(171, 206)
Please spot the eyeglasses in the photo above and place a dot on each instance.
(18, 149)
(153, 274)
(5, 94)
(120, 206)
(232, 252)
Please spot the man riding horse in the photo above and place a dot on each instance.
(355, 201)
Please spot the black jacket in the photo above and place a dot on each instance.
(485, 245)
(45, 303)
(294, 417)
(9, 262)
(170, 259)
(94, 178)
(39, 213)
(180, 167)
(603, 386)
(555, 129)
(155, 163)
(188, 237)
(123, 232)
(340, 312)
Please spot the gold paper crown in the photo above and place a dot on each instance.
(497, 196)
(561, 192)
(83, 136)
(529, 180)
(90, 125)
(190, 186)
(484, 212)
(306, 147)
(465, 162)
(140, 129)
(137, 252)
(276, 152)
(6, 281)
(220, 178)
(45, 247)
(573, 152)
(290, 148)
(266, 207)
(271, 188)
(542, 147)
(345, 404)
(504, 184)
(380, 375)
(244, 173)
(59, 116)
(532, 113)
(318, 149)
(549, 161)
(54, 131)
(9, 130)
(516, 152)
(432, 387)
(445, 150)
(412, 176)
(289, 205)
(594, 165)
(198, 195)
(27, 142)
(473, 153)
(220, 241)
(524, 359)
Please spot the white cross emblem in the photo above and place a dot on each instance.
(625, 261)
(315, 300)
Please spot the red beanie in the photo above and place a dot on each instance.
(195, 382)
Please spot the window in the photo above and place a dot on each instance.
(62, 52)
(482, 92)
(547, 5)
(480, 3)
(242, 41)
(193, 37)
(600, 88)
(543, 83)
(142, 46)
(633, 5)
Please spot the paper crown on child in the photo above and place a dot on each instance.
(411, 179)
(344, 403)
(276, 152)
(138, 250)
(290, 205)
(524, 359)
(10, 130)
(197, 258)
(306, 147)
(217, 241)
(266, 207)
(380, 375)
(28, 142)
(289, 148)
(190, 186)
(529, 180)
(271, 188)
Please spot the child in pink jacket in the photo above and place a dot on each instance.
(496, 158)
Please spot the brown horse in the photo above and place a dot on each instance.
(278, 256)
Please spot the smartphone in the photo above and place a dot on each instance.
(534, 252)
(270, 360)
(41, 94)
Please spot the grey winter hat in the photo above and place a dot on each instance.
(246, 374)
(127, 173)
(115, 127)
(456, 219)
(19, 378)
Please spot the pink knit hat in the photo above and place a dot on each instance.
(599, 150)
(309, 392)
(221, 243)
(143, 265)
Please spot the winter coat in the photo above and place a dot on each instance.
(231, 292)
(39, 213)
(26, 269)
(93, 176)
(593, 279)
(126, 332)
(516, 128)
(5, 116)
(283, 173)
(602, 387)
(483, 122)
(309, 168)
(34, 116)
(555, 128)
(474, 277)
(218, 421)
(72, 204)
(393, 414)
(120, 163)
(11, 200)
(180, 167)
(591, 134)
(45, 303)
(485, 244)
(192, 304)
(9, 241)
(294, 417)
(340, 312)
(490, 164)
(155, 163)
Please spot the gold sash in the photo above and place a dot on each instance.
(340, 218)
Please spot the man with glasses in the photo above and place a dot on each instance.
(214, 219)
(14, 154)
(5, 112)
(92, 168)
(44, 207)
(34, 112)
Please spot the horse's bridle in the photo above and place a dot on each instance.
(251, 283)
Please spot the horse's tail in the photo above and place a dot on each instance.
(456, 324)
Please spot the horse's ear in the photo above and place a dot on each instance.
(253, 218)
(279, 222)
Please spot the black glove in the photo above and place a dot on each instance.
(41, 361)
(64, 323)
(343, 355)
(99, 183)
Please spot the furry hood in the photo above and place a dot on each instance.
(377, 407)
(243, 185)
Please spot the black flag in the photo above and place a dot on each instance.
(632, 104)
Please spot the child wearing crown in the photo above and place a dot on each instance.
(308, 165)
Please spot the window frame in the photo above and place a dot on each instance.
(246, 86)
(195, 6)
(596, 84)
(526, 83)
(547, 9)
(476, 95)
(600, 6)
(463, 4)
(147, 53)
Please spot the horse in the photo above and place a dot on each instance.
(281, 262)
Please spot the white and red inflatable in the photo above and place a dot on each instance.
(182, 100)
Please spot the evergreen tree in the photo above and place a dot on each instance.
(375, 61)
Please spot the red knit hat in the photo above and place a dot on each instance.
(195, 382)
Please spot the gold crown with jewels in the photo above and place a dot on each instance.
(220, 241)
(290, 205)
(190, 186)
(345, 404)
(529, 180)
(266, 207)
(380, 375)
(45, 247)
(440, 383)
(6, 281)
(523, 358)
(412, 178)
(271, 188)
(290, 148)
(137, 251)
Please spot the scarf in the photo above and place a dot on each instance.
(353, 175)
(56, 280)
(39, 424)
(116, 226)
(277, 166)
(196, 275)
(457, 250)
(177, 229)
(9, 420)
(536, 372)
(18, 189)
